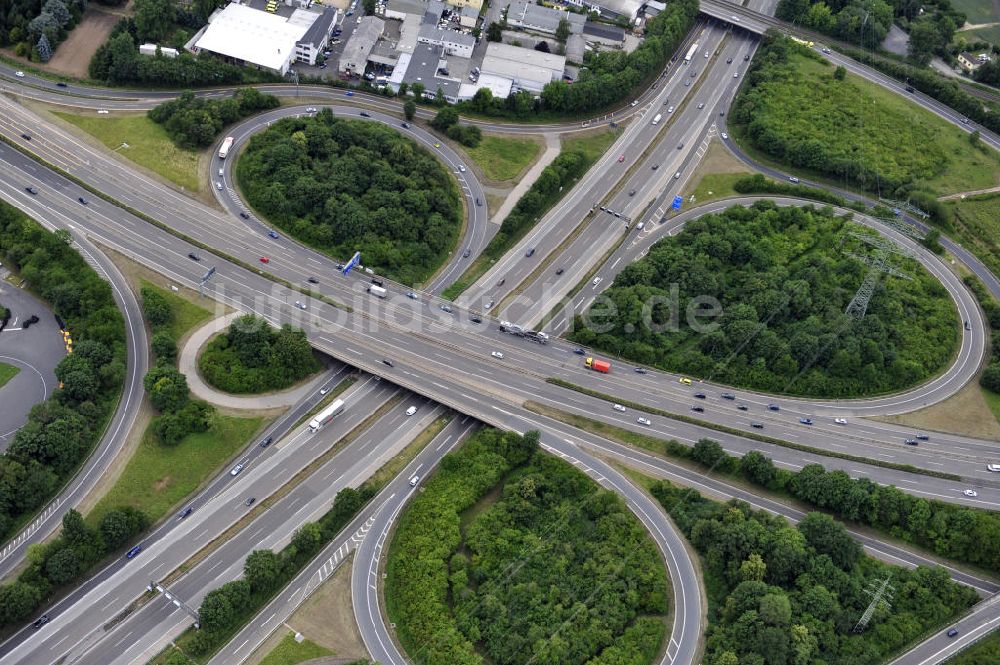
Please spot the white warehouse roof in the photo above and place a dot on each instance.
(253, 36)
(527, 68)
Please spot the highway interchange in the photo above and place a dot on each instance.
(446, 359)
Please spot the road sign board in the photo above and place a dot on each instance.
(678, 200)
(355, 260)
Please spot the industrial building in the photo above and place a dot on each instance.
(530, 16)
(528, 69)
(263, 39)
(454, 43)
(354, 59)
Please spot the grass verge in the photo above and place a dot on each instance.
(983, 652)
(158, 477)
(391, 468)
(909, 468)
(144, 142)
(290, 652)
(976, 225)
(7, 372)
(504, 157)
(186, 314)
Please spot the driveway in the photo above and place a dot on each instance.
(35, 351)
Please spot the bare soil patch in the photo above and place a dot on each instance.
(966, 413)
(72, 57)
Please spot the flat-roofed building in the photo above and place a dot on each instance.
(455, 43)
(360, 45)
(530, 16)
(528, 69)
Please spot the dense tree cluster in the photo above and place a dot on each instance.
(265, 571)
(589, 585)
(816, 122)
(791, 595)
(194, 122)
(61, 431)
(117, 62)
(35, 27)
(253, 357)
(783, 280)
(991, 375)
(607, 78)
(866, 22)
(956, 532)
(344, 186)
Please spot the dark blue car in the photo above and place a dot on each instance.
(132, 553)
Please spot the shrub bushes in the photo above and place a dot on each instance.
(194, 122)
(252, 357)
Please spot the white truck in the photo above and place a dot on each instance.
(377, 291)
(326, 415)
(226, 145)
(691, 52)
(657, 118)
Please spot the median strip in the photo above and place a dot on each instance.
(909, 468)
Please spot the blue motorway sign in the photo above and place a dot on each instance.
(355, 260)
(678, 200)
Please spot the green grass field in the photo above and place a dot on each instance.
(593, 145)
(977, 227)
(869, 124)
(716, 186)
(290, 652)
(504, 158)
(187, 315)
(976, 11)
(989, 34)
(992, 401)
(157, 476)
(7, 372)
(984, 652)
(148, 145)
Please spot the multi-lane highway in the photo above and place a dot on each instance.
(447, 357)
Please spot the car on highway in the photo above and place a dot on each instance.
(437, 145)
(236, 470)
(300, 304)
(272, 234)
(840, 421)
(244, 215)
(19, 74)
(736, 75)
(467, 253)
(414, 480)
(952, 632)
(773, 407)
(218, 186)
(411, 295)
(670, 110)
(640, 370)
(250, 500)
(410, 411)
(631, 192)
(701, 105)
(387, 362)
(560, 271)
(911, 442)
(742, 407)
(687, 83)
(349, 93)
(583, 352)
(26, 137)
(193, 256)
(490, 304)
(746, 57)
(446, 308)
(311, 109)
(132, 553)
(475, 318)
(479, 202)
(680, 146)
(677, 175)
(995, 468)
(706, 54)
(757, 425)
(597, 280)
(698, 409)
(734, 18)
(806, 421)
(619, 407)
(792, 178)
(686, 381)
(729, 61)
(970, 493)
(635, 102)
(923, 437)
(268, 440)
(621, 158)
(461, 168)
(31, 190)
(365, 114)
(700, 395)
(909, 88)
(62, 84)
(656, 166)
(405, 125)
(644, 421)
(312, 280)
(725, 136)
(265, 259)
(728, 396)
(497, 355)
(184, 513)
(41, 621)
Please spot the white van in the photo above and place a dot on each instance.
(657, 118)
(220, 173)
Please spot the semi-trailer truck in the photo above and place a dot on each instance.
(598, 365)
(326, 415)
(226, 145)
(691, 52)
(377, 291)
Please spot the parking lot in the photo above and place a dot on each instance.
(35, 350)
